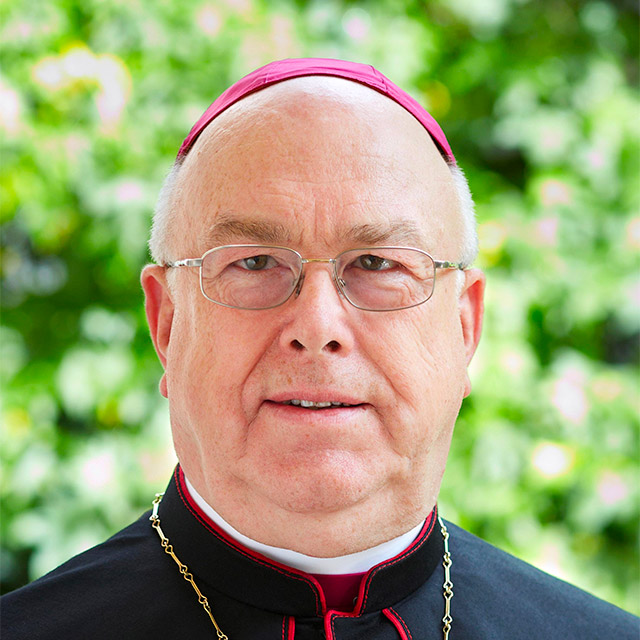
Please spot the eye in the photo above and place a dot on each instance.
(370, 262)
(257, 263)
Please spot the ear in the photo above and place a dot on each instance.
(159, 308)
(471, 309)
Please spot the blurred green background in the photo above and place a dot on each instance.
(539, 101)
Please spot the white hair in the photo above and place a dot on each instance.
(163, 216)
(469, 249)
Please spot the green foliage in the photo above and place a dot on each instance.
(539, 101)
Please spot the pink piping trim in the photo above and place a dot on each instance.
(398, 623)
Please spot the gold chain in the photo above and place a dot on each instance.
(448, 585)
(184, 571)
(188, 576)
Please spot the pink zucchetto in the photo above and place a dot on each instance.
(295, 68)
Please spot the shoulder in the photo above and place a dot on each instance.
(104, 560)
(115, 585)
(493, 588)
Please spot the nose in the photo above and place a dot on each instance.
(318, 321)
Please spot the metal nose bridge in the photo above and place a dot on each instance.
(334, 275)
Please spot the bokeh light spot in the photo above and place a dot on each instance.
(115, 87)
(78, 62)
(632, 234)
(356, 24)
(209, 20)
(554, 192)
(48, 73)
(568, 396)
(552, 460)
(129, 191)
(98, 471)
(10, 108)
(612, 488)
(492, 236)
(547, 232)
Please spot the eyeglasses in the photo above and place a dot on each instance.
(249, 276)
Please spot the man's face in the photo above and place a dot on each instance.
(319, 166)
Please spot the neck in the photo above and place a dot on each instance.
(320, 513)
(358, 562)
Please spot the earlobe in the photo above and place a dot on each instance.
(471, 307)
(159, 310)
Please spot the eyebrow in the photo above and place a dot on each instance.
(229, 229)
(394, 232)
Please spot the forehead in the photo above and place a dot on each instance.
(315, 159)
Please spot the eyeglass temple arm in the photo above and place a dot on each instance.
(189, 262)
(445, 264)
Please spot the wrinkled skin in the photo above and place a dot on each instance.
(305, 164)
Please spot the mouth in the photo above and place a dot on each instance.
(313, 405)
(310, 404)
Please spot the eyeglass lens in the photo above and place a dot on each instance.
(251, 277)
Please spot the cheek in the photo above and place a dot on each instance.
(191, 357)
(423, 348)
(209, 362)
(425, 368)
(213, 352)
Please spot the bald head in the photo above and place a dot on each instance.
(316, 129)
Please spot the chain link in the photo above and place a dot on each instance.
(188, 576)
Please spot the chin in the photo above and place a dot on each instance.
(323, 484)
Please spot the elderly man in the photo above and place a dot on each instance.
(314, 311)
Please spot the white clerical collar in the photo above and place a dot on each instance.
(359, 562)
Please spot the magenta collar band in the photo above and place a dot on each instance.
(295, 68)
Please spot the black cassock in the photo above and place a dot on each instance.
(128, 587)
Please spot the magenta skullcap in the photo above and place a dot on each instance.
(297, 67)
